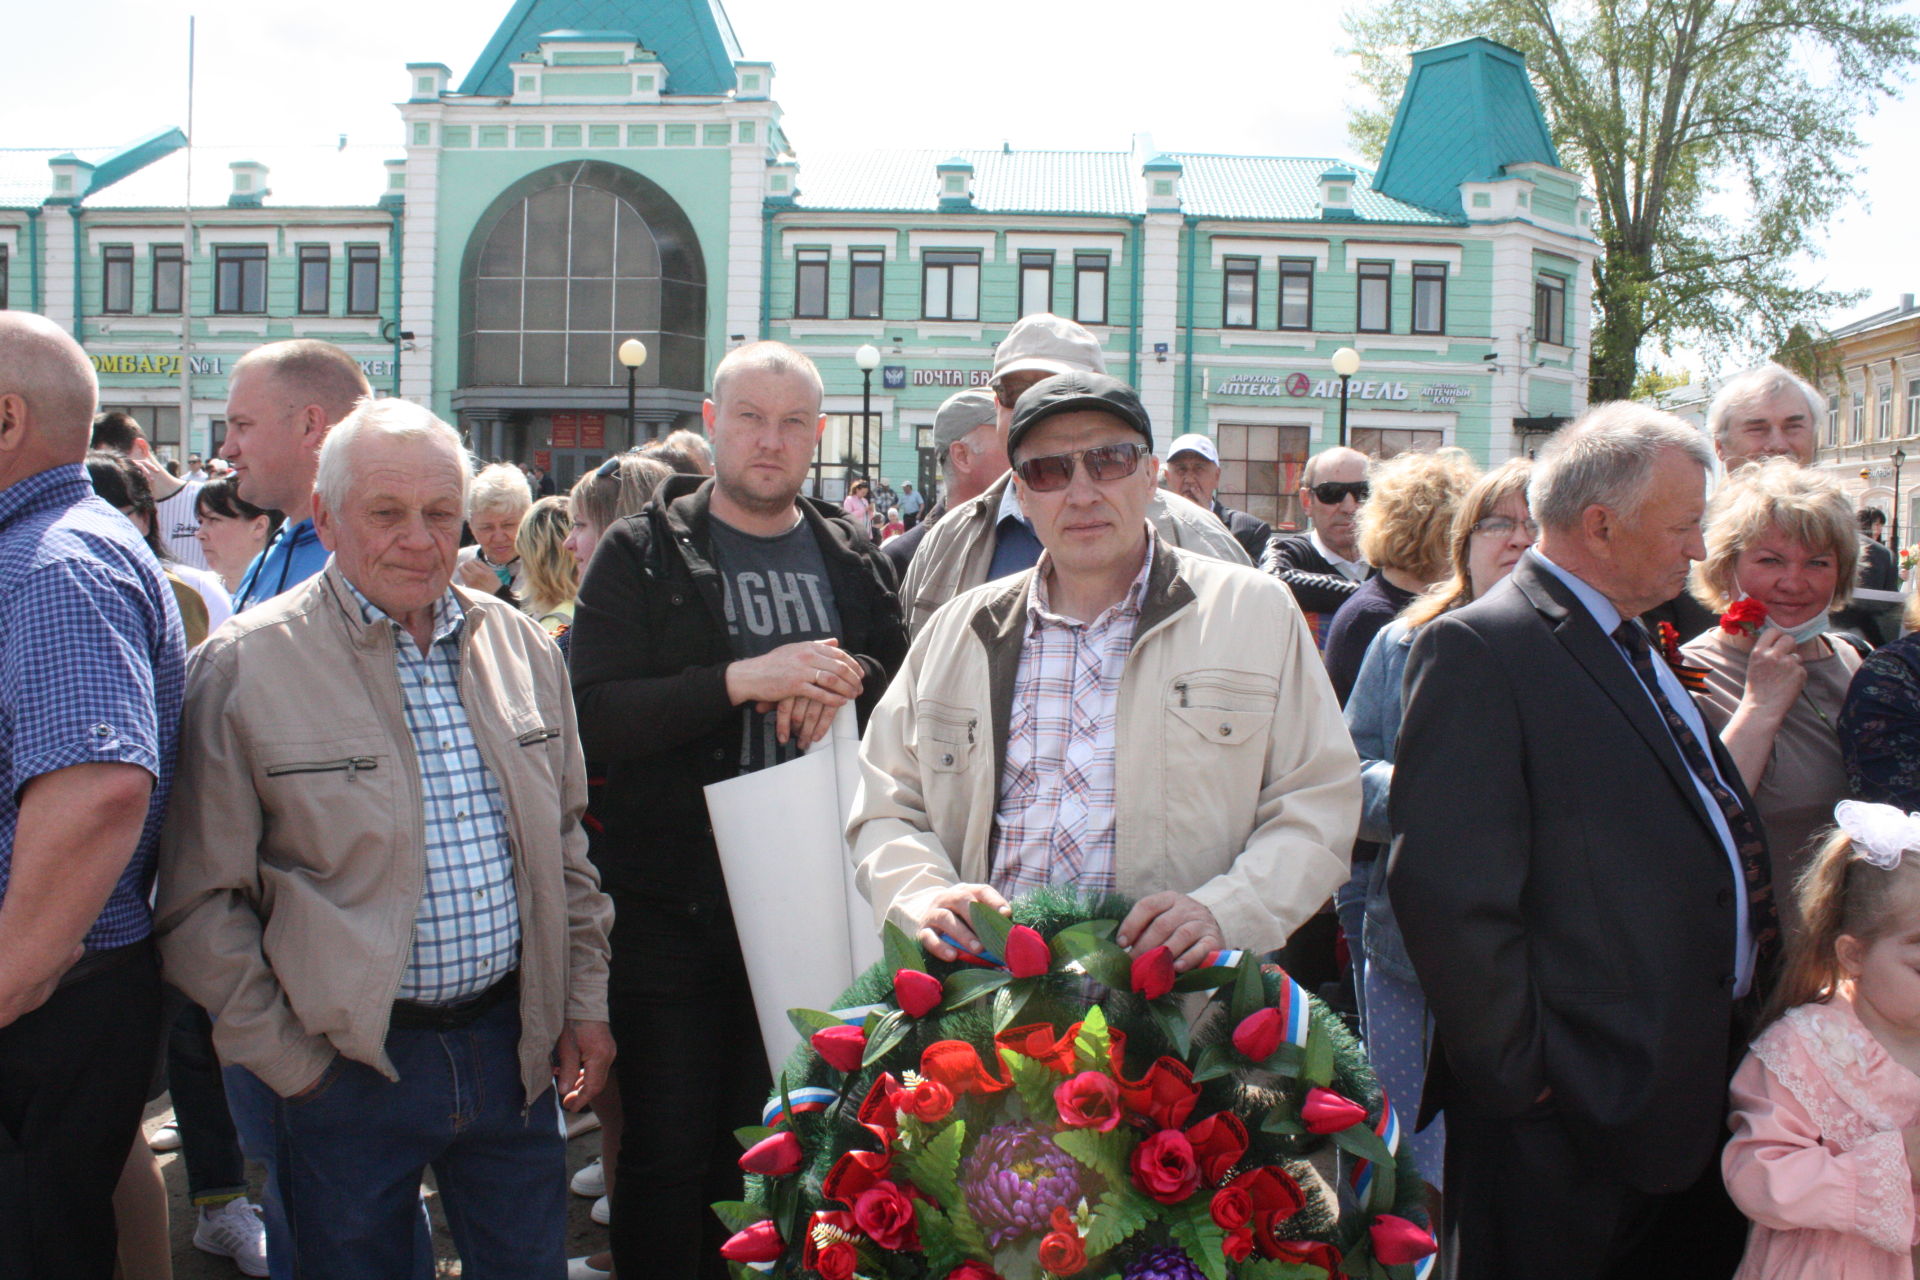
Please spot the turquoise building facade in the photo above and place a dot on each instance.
(609, 170)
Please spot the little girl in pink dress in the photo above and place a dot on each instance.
(1826, 1106)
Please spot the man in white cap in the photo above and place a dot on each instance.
(991, 536)
(967, 434)
(1193, 472)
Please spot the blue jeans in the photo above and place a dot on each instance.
(351, 1154)
(209, 1146)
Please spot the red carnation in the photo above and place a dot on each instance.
(1090, 1100)
(929, 1102)
(1258, 1035)
(1153, 973)
(1164, 1167)
(1062, 1253)
(1397, 1241)
(840, 1047)
(1744, 618)
(918, 993)
(885, 1213)
(1027, 953)
(774, 1157)
(758, 1243)
(1325, 1111)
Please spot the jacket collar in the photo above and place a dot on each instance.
(331, 589)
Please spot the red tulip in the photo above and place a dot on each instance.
(774, 1157)
(840, 1047)
(918, 993)
(1258, 1035)
(1153, 973)
(758, 1243)
(1325, 1111)
(1027, 953)
(1397, 1241)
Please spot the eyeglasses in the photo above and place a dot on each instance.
(1107, 462)
(1334, 492)
(1502, 527)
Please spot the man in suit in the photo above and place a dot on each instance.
(1581, 884)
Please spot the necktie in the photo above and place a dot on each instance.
(1747, 840)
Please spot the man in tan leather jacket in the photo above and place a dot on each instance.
(376, 881)
(1128, 716)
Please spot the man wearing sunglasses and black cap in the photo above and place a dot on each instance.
(1323, 566)
(1126, 716)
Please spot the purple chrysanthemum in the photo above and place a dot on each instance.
(1167, 1262)
(1013, 1179)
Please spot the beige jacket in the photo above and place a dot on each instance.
(1237, 781)
(958, 549)
(295, 851)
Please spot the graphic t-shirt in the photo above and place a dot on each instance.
(777, 592)
(177, 522)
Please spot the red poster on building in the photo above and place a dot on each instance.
(566, 431)
(543, 459)
(593, 430)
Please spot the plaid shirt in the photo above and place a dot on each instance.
(466, 936)
(1057, 792)
(92, 665)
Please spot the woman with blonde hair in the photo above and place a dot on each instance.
(1781, 546)
(617, 488)
(1404, 531)
(552, 574)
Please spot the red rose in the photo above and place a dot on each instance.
(840, 1047)
(1276, 1197)
(1090, 1100)
(758, 1243)
(1164, 1167)
(1027, 953)
(775, 1157)
(929, 1103)
(1397, 1241)
(1746, 617)
(973, 1271)
(1218, 1143)
(1062, 1253)
(956, 1064)
(1239, 1244)
(1312, 1253)
(1232, 1208)
(837, 1261)
(1153, 973)
(885, 1213)
(916, 992)
(1325, 1111)
(1258, 1035)
(1164, 1097)
(842, 1224)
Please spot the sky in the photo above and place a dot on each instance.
(1245, 76)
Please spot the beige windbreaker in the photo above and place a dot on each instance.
(1237, 781)
(295, 850)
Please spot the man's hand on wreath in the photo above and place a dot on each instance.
(1175, 921)
(582, 1059)
(948, 915)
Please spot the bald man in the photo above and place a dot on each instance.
(281, 402)
(91, 671)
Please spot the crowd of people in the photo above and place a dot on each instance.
(412, 854)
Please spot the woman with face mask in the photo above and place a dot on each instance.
(1783, 539)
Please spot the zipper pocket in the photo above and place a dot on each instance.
(350, 766)
(536, 736)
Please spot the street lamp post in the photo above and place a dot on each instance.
(1346, 363)
(867, 357)
(1899, 460)
(633, 354)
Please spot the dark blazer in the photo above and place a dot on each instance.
(1564, 897)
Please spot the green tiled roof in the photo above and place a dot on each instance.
(693, 38)
(1272, 188)
(1468, 111)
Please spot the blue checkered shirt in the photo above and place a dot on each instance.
(92, 665)
(466, 936)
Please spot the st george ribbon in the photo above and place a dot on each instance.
(805, 931)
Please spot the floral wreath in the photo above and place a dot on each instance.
(1053, 1110)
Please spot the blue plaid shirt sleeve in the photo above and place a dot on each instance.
(76, 675)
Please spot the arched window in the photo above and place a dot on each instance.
(566, 265)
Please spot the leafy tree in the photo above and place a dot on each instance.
(1653, 380)
(1716, 137)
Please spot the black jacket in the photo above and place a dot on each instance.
(1564, 896)
(1251, 532)
(1317, 586)
(649, 659)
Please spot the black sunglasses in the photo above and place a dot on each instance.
(1107, 462)
(1334, 492)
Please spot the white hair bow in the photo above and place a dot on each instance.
(1880, 833)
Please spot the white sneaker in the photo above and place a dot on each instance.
(602, 1212)
(234, 1230)
(165, 1138)
(591, 1181)
(581, 1269)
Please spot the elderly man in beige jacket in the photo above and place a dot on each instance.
(1126, 716)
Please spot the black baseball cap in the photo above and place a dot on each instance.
(1073, 392)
